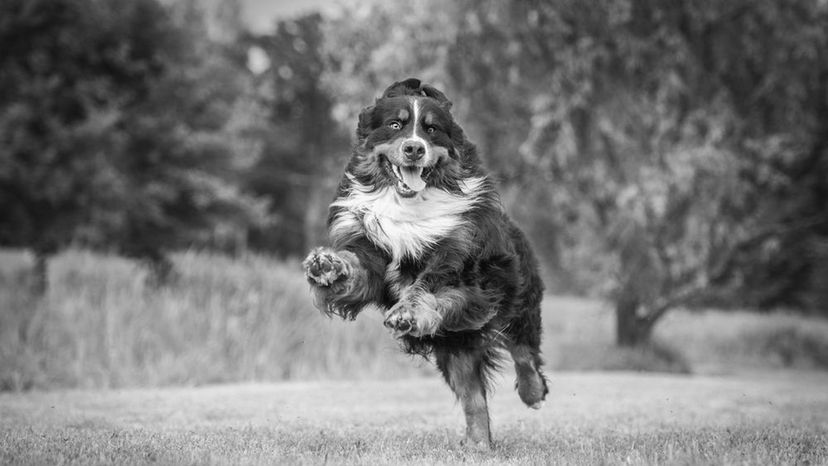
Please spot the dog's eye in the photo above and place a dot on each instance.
(430, 130)
(395, 125)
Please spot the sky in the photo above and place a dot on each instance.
(260, 15)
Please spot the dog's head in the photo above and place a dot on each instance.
(409, 140)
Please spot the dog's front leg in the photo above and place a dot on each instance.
(343, 282)
(438, 300)
(453, 308)
(417, 313)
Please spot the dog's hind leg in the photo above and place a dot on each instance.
(531, 384)
(465, 373)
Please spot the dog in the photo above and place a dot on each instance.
(417, 230)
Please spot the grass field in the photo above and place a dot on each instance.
(589, 418)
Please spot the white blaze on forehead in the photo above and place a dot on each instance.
(415, 106)
(412, 176)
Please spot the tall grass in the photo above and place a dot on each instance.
(101, 325)
(222, 320)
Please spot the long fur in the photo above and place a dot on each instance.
(402, 227)
(417, 230)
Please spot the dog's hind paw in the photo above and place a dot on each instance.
(323, 267)
(531, 386)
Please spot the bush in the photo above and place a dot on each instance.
(791, 345)
(654, 357)
(717, 341)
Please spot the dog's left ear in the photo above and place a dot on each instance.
(431, 91)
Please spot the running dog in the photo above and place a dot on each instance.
(417, 230)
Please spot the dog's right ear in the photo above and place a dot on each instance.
(365, 125)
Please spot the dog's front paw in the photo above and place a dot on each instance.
(416, 317)
(323, 267)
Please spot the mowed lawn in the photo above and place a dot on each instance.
(778, 417)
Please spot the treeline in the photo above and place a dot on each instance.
(136, 127)
(666, 153)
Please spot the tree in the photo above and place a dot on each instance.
(302, 144)
(658, 143)
(113, 131)
(676, 150)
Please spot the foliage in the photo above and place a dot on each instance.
(669, 153)
(116, 130)
(661, 153)
(303, 148)
(662, 144)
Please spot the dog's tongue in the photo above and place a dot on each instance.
(412, 178)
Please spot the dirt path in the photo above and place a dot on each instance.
(779, 417)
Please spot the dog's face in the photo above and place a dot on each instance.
(409, 140)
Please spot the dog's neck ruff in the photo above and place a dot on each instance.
(401, 226)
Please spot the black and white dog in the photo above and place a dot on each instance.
(417, 229)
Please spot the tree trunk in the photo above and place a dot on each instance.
(631, 330)
(40, 274)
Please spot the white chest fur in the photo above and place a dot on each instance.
(401, 226)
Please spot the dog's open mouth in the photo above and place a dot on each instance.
(410, 180)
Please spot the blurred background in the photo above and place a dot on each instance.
(164, 166)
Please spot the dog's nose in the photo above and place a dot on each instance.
(413, 150)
